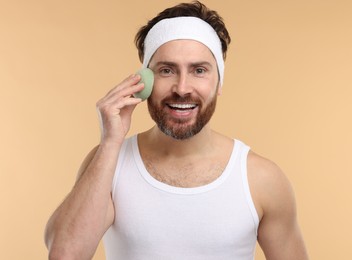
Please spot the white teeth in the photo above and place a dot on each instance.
(182, 106)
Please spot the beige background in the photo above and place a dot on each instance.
(287, 93)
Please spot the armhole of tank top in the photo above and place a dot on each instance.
(244, 157)
(119, 166)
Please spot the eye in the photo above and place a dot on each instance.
(200, 70)
(165, 71)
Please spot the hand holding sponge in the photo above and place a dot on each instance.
(147, 77)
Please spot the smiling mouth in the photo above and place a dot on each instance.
(182, 106)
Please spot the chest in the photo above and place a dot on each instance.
(185, 174)
(197, 225)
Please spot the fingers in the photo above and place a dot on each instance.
(125, 89)
(116, 107)
(126, 85)
(122, 95)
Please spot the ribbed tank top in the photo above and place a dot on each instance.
(156, 221)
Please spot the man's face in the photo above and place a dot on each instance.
(185, 88)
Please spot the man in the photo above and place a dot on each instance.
(178, 190)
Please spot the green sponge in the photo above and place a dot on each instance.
(147, 77)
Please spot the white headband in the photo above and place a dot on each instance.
(186, 28)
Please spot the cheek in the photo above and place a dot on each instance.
(157, 93)
(156, 86)
(161, 84)
(160, 92)
(212, 92)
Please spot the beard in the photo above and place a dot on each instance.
(180, 129)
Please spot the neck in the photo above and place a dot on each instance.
(200, 143)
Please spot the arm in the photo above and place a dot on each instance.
(278, 234)
(78, 224)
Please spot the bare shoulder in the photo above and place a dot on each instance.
(278, 234)
(264, 169)
(270, 188)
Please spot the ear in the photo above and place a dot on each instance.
(219, 90)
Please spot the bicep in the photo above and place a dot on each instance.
(278, 233)
(282, 243)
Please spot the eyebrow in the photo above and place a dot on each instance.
(192, 64)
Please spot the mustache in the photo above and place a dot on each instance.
(176, 98)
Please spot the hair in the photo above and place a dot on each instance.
(196, 9)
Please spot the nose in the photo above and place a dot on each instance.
(183, 84)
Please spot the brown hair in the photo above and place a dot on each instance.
(196, 9)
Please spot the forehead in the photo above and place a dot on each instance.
(180, 51)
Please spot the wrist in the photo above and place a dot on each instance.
(111, 143)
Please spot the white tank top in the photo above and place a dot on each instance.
(156, 221)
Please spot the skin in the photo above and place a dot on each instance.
(187, 68)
